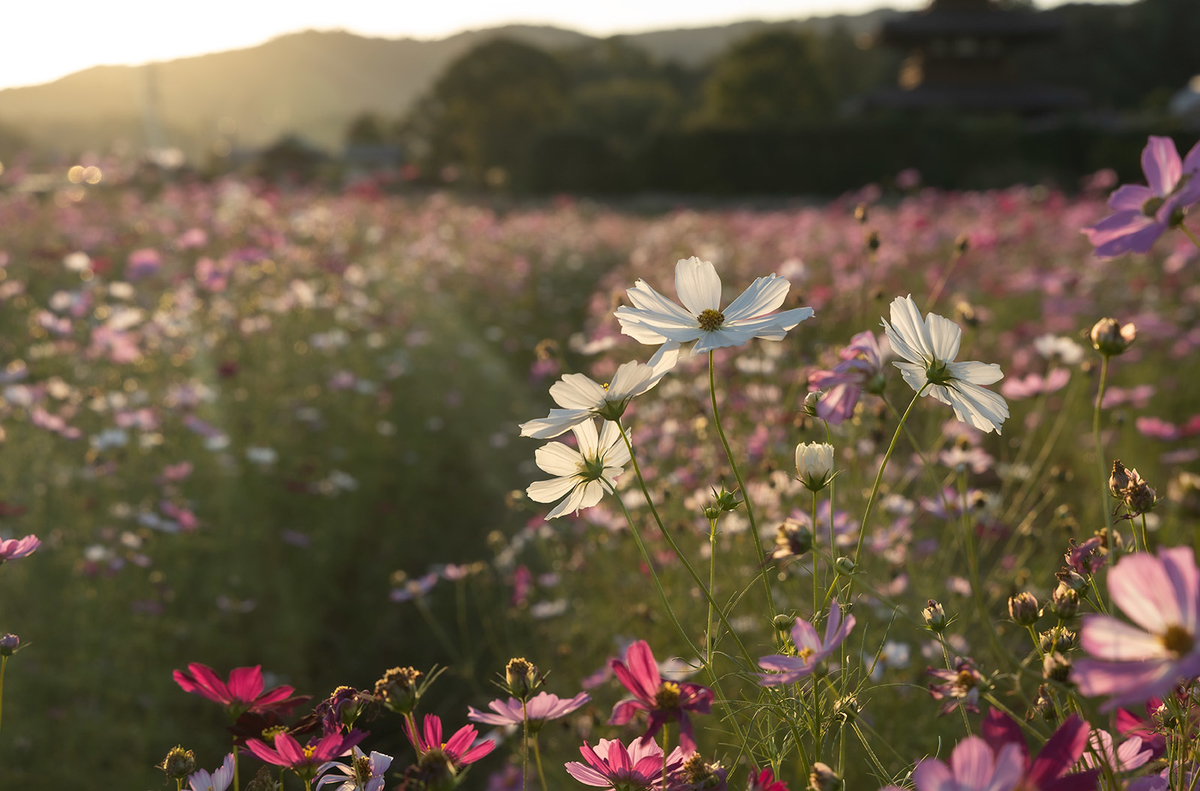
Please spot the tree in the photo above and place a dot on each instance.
(774, 78)
(485, 112)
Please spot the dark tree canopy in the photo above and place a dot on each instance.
(773, 78)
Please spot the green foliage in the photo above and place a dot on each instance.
(771, 79)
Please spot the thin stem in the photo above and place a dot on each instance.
(1145, 539)
(237, 782)
(524, 747)
(816, 591)
(3, 665)
(1189, 234)
(537, 759)
(666, 742)
(862, 531)
(949, 666)
(941, 284)
(710, 643)
(1100, 458)
(762, 556)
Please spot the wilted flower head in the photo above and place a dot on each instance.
(1134, 493)
(179, 763)
(959, 687)
(655, 319)
(399, 689)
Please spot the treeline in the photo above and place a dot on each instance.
(776, 112)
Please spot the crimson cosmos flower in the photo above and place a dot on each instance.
(662, 700)
(305, 761)
(243, 693)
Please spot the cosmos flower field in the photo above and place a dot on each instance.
(289, 457)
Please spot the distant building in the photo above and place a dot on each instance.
(367, 159)
(959, 60)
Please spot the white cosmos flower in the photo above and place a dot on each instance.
(582, 474)
(582, 398)
(656, 319)
(930, 347)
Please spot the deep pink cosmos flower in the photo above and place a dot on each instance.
(810, 649)
(15, 548)
(973, 767)
(764, 781)
(1131, 724)
(243, 693)
(540, 708)
(1142, 214)
(305, 761)
(1129, 665)
(611, 765)
(1046, 772)
(861, 368)
(458, 749)
(662, 700)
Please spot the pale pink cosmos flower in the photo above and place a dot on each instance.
(218, 780)
(861, 369)
(811, 650)
(15, 548)
(636, 768)
(1129, 664)
(973, 767)
(538, 709)
(1103, 752)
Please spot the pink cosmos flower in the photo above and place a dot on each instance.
(959, 687)
(540, 708)
(1103, 752)
(1046, 772)
(457, 749)
(15, 548)
(305, 761)
(810, 649)
(1131, 724)
(861, 368)
(365, 772)
(973, 767)
(1162, 596)
(218, 780)
(765, 781)
(611, 765)
(1142, 214)
(662, 700)
(243, 693)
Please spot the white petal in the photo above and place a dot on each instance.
(554, 424)
(697, 284)
(764, 295)
(577, 391)
(559, 459)
(585, 433)
(976, 373)
(773, 327)
(719, 339)
(571, 503)
(610, 439)
(944, 336)
(646, 327)
(631, 379)
(907, 331)
(664, 359)
(913, 374)
(646, 299)
(592, 493)
(983, 409)
(551, 490)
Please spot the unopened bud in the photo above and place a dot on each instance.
(725, 501)
(1110, 338)
(9, 644)
(783, 622)
(1073, 580)
(935, 617)
(844, 565)
(1118, 480)
(399, 689)
(1065, 601)
(814, 464)
(823, 778)
(1058, 638)
(1023, 608)
(521, 676)
(1056, 667)
(810, 403)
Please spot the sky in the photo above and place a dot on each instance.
(48, 39)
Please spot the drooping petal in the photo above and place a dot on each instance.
(698, 285)
(999, 729)
(625, 711)
(558, 422)
(721, 339)
(569, 505)
(981, 408)
(551, 490)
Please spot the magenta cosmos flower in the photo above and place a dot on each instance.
(1130, 664)
(540, 708)
(973, 767)
(611, 765)
(764, 781)
(458, 749)
(305, 761)
(810, 649)
(1142, 214)
(1048, 771)
(243, 693)
(15, 548)
(662, 700)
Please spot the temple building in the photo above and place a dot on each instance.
(959, 60)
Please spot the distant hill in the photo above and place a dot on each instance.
(309, 83)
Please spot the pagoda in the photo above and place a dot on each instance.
(958, 60)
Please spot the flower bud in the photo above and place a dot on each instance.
(823, 778)
(263, 781)
(1110, 338)
(9, 644)
(521, 676)
(1044, 705)
(1118, 480)
(1058, 638)
(810, 403)
(399, 689)
(962, 243)
(783, 622)
(844, 566)
(1074, 581)
(179, 763)
(1065, 601)
(935, 617)
(1023, 608)
(1056, 667)
(725, 501)
(814, 464)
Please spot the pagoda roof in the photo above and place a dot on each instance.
(952, 18)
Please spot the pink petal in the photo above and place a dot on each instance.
(461, 740)
(246, 683)
(1104, 637)
(1140, 586)
(624, 711)
(1060, 752)
(1130, 197)
(264, 753)
(933, 775)
(973, 763)
(643, 670)
(1161, 164)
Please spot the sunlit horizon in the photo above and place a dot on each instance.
(135, 32)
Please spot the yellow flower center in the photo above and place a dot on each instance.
(667, 696)
(1177, 640)
(805, 653)
(711, 319)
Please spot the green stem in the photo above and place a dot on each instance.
(816, 591)
(537, 759)
(862, 531)
(762, 556)
(1100, 458)
(237, 782)
(710, 642)
(1190, 235)
(1145, 538)
(3, 665)
(524, 747)
(973, 572)
(666, 740)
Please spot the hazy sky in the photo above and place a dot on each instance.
(47, 39)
